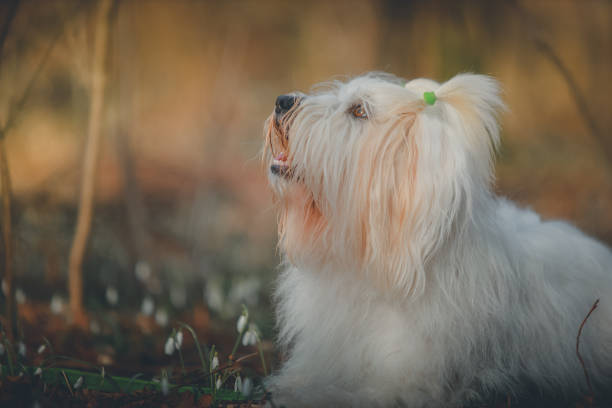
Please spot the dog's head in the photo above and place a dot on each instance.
(373, 177)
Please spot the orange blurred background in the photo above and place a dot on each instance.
(180, 191)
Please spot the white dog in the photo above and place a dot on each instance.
(406, 281)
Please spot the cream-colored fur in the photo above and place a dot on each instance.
(406, 281)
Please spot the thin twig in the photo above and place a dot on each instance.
(229, 365)
(586, 373)
(5, 178)
(68, 383)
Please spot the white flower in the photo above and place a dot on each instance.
(142, 271)
(41, 349)
(215, 362)
(218, 383)
(78, 383)
(21, 348)
(57, 304)
(251, 336)
(169, 346)
(1, 349)
(4, 287)
(164, 385)
(147, 306)
(178, 340)
(238, 384)
(241, 323)
(161, 317)
(20, 296)
(112, 296)
(245, 291)
(213, 295)
(38, 371)
(247, 387)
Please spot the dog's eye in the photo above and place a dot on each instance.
(358, 111)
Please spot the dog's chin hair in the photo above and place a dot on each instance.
(406, 281)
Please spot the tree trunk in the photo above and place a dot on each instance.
(90, 161)
(5, 179)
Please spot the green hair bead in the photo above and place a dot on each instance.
(429, 97)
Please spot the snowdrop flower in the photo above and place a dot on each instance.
(142, 271)
(251, 336)
(245, 290)
(178, 339)
(219, 383)
(20, 296)
(165, 387)
(169, 346)
(21, 348)
(4, 287)
(215, 362)
(41, 349)
(57, 304)
(38, 371)
(247, 387)
(147, 306)
(238, 384)
(161, 317)
(213, 295)
(241, 323)
(1, 349)
(78, 383)
(112, 296)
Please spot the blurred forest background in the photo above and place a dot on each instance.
(183, 223)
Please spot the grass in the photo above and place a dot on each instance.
(48, 378)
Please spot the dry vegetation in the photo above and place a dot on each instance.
(181, 213)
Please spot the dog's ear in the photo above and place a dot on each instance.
(451, 135)
(458, 127)
(474, 103)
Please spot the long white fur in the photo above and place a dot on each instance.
(406, 281)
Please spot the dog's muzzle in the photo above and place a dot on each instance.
(283, 104)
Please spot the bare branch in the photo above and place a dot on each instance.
(5, 178)
(586, 373)
(90, 162)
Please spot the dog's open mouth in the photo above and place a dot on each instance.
(279, 166)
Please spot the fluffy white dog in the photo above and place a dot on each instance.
(406, 281)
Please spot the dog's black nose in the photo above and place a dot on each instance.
(284, 103)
